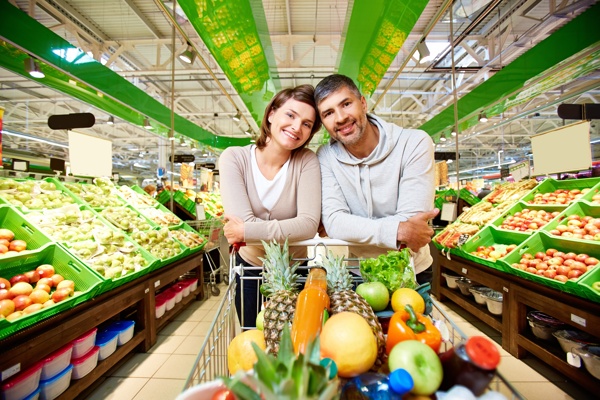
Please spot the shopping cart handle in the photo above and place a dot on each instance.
(236, 247)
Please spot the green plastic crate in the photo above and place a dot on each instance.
(468, 197)
(540, 242)
(141, 191)
(581, 208)
(520, 206)
(490, 236)
(587, 282)
(59, 188)
(141, 216)
(159, 263)
(12, 219)
(165, 210)
(64, 264)
(588, 196)
(163, 197)
(550, 185)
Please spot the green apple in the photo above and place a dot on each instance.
(375, 293)
(260, 320)
(421, 362)
(596, 286)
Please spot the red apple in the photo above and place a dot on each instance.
(33, 276)
(18, 245)
(581, 257)
(550, 273)
(46, 281)
(5, 243)
(18, 278)
(579, 266)
(56, 279)
(539, 255)
(574, 274)
(45, 270)
(4, 284)
(561, 278)
(44, 287)
(22, 302)
(3, 249)
(21, 289)
(591, 261)
(7, 234)
(7, 307)
(5, 294)
(563, 270)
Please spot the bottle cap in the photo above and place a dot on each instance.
(482, 352)
(400, 381)
(328, 362)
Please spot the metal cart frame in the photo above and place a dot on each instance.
(211, 362)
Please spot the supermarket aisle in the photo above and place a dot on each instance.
(161, 373)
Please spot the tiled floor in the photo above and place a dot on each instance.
(161, 373)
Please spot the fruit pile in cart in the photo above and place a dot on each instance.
(329, 338)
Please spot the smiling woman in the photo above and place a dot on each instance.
(272, 190)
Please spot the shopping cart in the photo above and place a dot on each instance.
(211, 362)
(212, 230)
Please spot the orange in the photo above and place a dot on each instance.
(404, 296)
(348, 340)
(240, 353)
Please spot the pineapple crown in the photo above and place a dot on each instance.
(287, 376)
(277, 273)
(338, 276)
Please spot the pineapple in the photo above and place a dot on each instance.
(280, 286)
(287, 376)
(343, 298)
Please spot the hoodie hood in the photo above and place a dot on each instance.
(387, 142)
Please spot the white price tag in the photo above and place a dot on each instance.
(7, 373)
(157, 283)
(147, 290)
(578, 320)
(464, 271)
(505, 289)
(573, 359)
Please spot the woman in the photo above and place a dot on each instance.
(272, 190)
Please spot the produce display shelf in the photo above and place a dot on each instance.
(491, 236)
(540, 242)
(86, 281)
(12, 219)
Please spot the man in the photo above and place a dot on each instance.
(377, 178)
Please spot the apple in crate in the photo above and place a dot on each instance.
(22, 302)
(7, 307)
(21, 288)
(61, 294)
(45, 270)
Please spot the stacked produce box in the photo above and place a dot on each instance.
(549, 233)
(93, 236)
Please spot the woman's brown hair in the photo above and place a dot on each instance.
(303, 94)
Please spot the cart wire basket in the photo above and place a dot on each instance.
(211, 361)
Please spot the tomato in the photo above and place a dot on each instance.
(223, 394)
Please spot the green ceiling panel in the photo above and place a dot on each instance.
(376, 31)
(73, 72)
(236, 34)
(579, 34)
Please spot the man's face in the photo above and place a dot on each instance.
(344, 115)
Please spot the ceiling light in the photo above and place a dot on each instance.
(33, 68)
(237, 116)
(483, 118)
(111, 120)
(424, 53)
(443, 137)
(248, 132)
(172, 138)
(35, 139)
(147, 123)
(188, 55)
(453, 133)
(449, 161)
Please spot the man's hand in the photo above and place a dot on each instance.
(233, 229)
(416, 232)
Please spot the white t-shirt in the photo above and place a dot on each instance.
(268, 190)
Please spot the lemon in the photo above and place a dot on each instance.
(404, 296)
(240, 353)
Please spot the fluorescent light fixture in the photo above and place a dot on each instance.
(138, 165)
(248, 133)
(443, 137)
(111, 120)
(424, 53)
(188, 55)
(35, 139)
(172, 138)
(449, 161)
(33, 68)
(453, 133)
(237, 116)
(147, 123)
(483, 117)
(173, 173)
(495, 166)
(595, 141)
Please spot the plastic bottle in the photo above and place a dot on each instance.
(376, 386)
(471, 364)
(308, 317)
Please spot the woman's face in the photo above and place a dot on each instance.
(291, 124)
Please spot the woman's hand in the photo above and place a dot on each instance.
(233, 229)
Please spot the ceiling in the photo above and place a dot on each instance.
(133, 43)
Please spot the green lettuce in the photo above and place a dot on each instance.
(393, 269)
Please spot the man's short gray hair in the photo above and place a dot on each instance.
(333, 83)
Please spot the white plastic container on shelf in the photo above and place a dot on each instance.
(23, 384)
(54, 387)
(170, 298)
(160, 305)
(35, 395)
(84, 343)
(56, 362)
(107, 342)
(192, 283)
(85, 364)
(185, 288)
(124, 329)
(178, 291)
